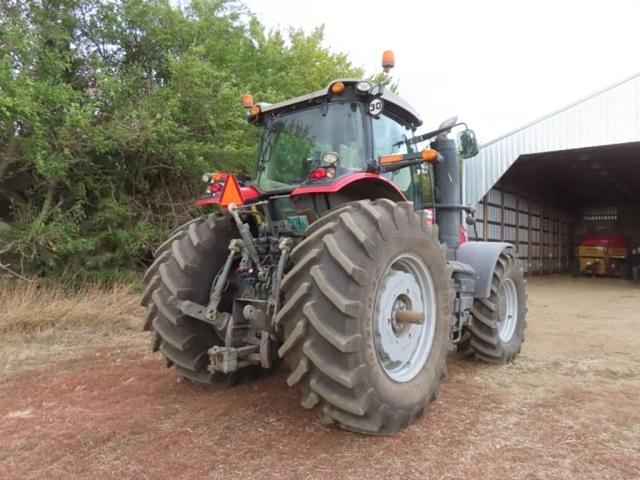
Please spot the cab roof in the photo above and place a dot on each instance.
(393, 103)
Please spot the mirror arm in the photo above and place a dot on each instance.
(412, 159)
(433, 133)
(392, 167)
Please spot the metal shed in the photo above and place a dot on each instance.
(544, 185)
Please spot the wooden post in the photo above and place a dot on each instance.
(541, 240)
(529, 241)
(556, 228)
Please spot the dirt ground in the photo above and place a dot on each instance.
(569, 407)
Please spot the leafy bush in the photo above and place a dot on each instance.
(111, 110)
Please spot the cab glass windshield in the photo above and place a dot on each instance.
(391, 137)
(293, 143)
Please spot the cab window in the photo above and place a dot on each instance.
(390, 136)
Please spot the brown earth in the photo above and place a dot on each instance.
(568, 408)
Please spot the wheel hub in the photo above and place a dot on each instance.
(403, 348)
(507, 310)
(402, 302)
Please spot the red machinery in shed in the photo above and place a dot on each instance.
(602, 254)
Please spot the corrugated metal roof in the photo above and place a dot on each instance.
(609, 116)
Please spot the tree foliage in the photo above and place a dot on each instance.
(111, 110)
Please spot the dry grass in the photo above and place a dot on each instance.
(39, 323)
(29, 307)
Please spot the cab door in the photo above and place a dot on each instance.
(390, 136)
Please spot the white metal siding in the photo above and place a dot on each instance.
(608, 117)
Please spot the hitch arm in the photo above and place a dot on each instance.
(245, 233)
(235, 247)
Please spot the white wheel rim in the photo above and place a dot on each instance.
(403, 349)
(507, 310)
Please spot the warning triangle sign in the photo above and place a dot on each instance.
(231, 192)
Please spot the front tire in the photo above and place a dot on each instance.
(496, 331)
(344, 279)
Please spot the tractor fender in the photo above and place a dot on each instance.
(482, 257)
(359, 185)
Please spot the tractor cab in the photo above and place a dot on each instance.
(351, 140)
(323, 137)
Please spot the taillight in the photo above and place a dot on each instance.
(215, 188)
(428, 215)
(318, 174)
(463, 235)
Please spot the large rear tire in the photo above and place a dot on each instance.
(337, 341)
(184, 267)
(496, 331)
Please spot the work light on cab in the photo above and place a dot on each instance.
(254, 114)
(429, 155)
(255, 111)
(330, 158)
(247, 100)
(337, 88)
(363, 87)
(388, 61)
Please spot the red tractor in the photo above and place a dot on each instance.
(328, 259)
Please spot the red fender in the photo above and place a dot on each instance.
(349, 181)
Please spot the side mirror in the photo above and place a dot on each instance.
(467, 144)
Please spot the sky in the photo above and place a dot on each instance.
(497, 65)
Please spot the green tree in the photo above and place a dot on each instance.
(111, 110)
